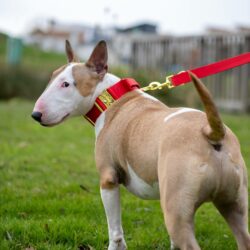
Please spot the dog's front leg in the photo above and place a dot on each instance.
(111, 202)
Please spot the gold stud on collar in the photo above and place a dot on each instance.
(106, 98)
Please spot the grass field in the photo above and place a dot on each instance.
(49, 191)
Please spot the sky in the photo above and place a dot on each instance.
(174, 17)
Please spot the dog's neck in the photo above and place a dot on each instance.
(108, 81)
(110, 89)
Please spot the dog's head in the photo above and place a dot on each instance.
(71, 89)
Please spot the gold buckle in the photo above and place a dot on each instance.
(106, 98)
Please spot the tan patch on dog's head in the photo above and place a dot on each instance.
(57, 72)
(85, 79)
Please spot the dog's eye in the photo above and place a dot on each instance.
(65, 84)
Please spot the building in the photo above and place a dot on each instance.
(53, 36)
(125, 37)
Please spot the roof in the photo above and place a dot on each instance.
(51, 33)
(144, 27)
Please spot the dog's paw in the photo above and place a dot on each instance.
(117, 244)
(173, 247)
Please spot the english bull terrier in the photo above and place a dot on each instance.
(182, 156)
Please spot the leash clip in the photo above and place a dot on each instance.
(158, 85)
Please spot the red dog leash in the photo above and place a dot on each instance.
(108, 96)
(211, 69)
(207, 70)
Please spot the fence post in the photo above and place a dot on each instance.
(14, 51)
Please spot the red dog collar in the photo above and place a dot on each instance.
(108, 96)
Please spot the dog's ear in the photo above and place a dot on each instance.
(98, 59)
(70, 53)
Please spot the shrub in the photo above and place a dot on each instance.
(20, 82)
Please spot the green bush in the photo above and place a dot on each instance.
(20, 82)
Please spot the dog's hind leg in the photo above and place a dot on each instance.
(179, 209)
(180, 226)
(236, 215)
(182, 191)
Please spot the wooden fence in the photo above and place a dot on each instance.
(230, 89)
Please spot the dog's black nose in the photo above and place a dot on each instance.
(37, 116)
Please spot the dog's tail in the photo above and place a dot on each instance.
(215, 131)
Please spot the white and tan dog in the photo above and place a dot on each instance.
(183, 156)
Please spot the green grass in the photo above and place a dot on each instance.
(43, 206)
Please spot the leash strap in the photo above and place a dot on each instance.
(210, 69)
(207, 70)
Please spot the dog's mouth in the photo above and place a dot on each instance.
(56, 123)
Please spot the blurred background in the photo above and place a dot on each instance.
(146, 41)
(49, 186)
